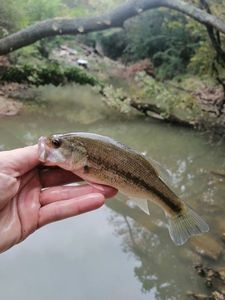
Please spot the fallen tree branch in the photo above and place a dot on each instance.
(153, 111)
(218, 173)
(112, 19)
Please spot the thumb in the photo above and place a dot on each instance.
(19, 161)
(8, 188)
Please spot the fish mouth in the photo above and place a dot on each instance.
(47, 154)
(42, 149)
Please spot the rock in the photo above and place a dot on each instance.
(220, 282)
(62, 53)
(197, 296)
(223, 237)
(210, 99)
(191, 256)
(214, 279)
(221, 272)
(218, 296)
(221, 227)
(68, 50)
(201, 271)
(221, 224)
(63, 47)
(207, 246)
(72, 52)
(221, 287)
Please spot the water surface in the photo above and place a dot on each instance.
(115, 252)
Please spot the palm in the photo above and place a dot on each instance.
(20, 216)
(30, 198)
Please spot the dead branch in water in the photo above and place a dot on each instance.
(153, 111)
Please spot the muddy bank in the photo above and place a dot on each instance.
(9, 107)
(9, 104)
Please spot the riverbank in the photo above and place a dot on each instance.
(186, 100)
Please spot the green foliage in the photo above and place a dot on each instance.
(170, 64)
(14, 17)
(51, 73)
(27, 54)
(167, 96)
(171, 40)
(41, 10)
(113, 98)
(73, 74)
(113, 42)
(9, 17)
(164, 37)
(201, 66)
(204, 61)
(33, 11)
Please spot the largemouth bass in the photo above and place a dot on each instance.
(100, 159)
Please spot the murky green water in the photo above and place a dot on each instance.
(115, 252)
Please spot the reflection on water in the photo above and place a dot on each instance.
(159, 266)
(117, 250)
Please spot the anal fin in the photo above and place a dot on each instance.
(142, 204)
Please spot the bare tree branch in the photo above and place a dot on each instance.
(112, 19)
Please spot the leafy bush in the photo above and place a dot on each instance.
(47, 73)
(172, 100)
(170, 64)
(113, 43)
(165, 37)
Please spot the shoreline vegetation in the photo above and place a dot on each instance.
(160, 59)
(187, 101)
(163, 59)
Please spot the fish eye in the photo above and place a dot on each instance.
(56, 142)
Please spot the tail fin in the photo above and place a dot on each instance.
(182, 227)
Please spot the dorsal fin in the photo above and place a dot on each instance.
(162, 172)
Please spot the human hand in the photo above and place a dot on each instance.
(31, 197)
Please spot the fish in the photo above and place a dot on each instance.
(103, 160)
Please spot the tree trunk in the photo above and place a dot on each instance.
(112, 19)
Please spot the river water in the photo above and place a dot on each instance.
(116, 252)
